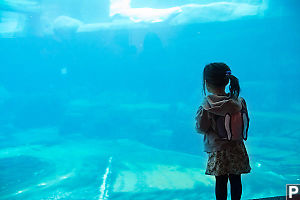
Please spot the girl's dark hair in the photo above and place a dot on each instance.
(215, 75)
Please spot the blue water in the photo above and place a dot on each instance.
(98, 98)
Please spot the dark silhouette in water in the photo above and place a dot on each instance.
(154, 75)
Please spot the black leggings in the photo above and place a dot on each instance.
(235, 187)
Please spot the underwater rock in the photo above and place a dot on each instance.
(186, 13)
(19, 17)
(66, 26)
(11, 174)
(137, 171)
(78, 167)
(37, 136)
(219, 11)
(21, 6)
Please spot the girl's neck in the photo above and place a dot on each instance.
(220, 92)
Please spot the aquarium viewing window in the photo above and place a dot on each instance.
(149, 99)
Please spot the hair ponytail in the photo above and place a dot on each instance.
(234, 87)
(219, 75)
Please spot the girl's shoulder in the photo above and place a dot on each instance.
(244, 104)
(205, 102)
(242, 100)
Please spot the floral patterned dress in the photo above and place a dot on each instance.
(233, 160)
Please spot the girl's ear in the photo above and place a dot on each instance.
(207, 86)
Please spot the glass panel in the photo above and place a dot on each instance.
(98, 98)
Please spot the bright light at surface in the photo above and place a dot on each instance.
(215, 11)
(117, 6)
(34, 18)
(122, 7)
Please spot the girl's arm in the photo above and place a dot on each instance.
(203, 121)
(245, 107)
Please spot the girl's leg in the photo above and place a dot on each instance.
(221, 187)
(235, 186)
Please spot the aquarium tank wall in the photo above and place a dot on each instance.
(98, 98)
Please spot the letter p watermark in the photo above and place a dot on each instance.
(292, 191)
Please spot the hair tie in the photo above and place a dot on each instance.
(228, 73)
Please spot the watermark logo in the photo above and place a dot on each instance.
(292, 191)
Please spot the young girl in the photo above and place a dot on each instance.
(226, 159)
